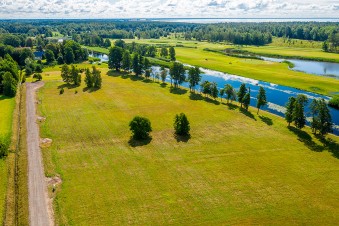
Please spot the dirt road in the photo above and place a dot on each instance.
(37, 188)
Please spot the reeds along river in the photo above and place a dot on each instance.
(277, 96)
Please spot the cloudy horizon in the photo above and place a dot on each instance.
(96, 9)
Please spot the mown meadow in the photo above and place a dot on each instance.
(236, 168)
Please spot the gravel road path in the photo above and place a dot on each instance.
(39, 213)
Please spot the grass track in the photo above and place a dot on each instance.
(7, 106)
(236, 169)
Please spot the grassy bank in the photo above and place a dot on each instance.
(237, 168)
(257, 69)
(7, 106)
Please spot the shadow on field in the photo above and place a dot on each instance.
(266, 120)
(147, 80)
(329, 145)
(306, 138)
(247, 113)
(231, 106)
(68, 86)
(138, 143)
(184, 139)
(5, 98)
(178, 91)
(196, 96)
(90, 90)
(163, 85)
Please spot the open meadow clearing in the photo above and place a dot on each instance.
(6, 114)
(237, 168)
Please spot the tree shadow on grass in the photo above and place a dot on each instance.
(178, 91)
(231, 106)
(5, 97)
(68, 86)
(90, 90)
(247, 113)
(306, 138)
(212, 101)
(163, 85)
(139, 143)
(196, 96)
(329, 145)
(181, 138)
(266, 120)
(147, 80)
(115, 73)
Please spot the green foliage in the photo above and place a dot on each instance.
(75, 75)
(241, 93)
(247, 100)
(61, 91)
(334, 102)
(214, 90)
(9, 85)
(69, 55)
(181, 125)
(37, 76)
(230, 93)
(321, 117)
(115, 58)
(88, 78)
(261, 98)
(126, 61)
(4, 146)
(49, 56)
(172, 53)
(177, 72)
(137, 64)
(97, 78)
(120, 43)
(65, 74)
(289, 110)
(164, 52)
(140, 127)
(163, 74)
(298, 113)
(194, 77)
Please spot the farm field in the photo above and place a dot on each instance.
(6, 108)
(229, 172)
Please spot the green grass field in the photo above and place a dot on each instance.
(237, 168)
(7, 106)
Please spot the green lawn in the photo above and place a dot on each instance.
(7, 106)
(237, 168)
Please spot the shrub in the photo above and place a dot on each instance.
(181, 125)
(37, 76)
(3, 148)
(334, 102)
(62, 91)
(140, 127)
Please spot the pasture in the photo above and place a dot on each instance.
(237, 167)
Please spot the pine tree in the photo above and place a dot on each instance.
(298, 111)
(241, 93)
(289, 110)
(247, 100)
(89, 78)
(261, 98)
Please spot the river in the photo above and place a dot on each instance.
(310, 67)
(277, 96)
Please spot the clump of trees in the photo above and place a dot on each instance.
(181, 125)
(4, 146)
(71, 75)
(9, 76)
(177, 73)
(93, 78)
(194, 77)
(321, 117)
(140, 127)
(261, 98)
(37, 76)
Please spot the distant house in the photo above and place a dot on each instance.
(38, 55)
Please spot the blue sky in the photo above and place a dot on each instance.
(11, 9)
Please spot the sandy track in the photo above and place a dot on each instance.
(39, 213)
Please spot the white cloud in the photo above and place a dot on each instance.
(166, 8)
